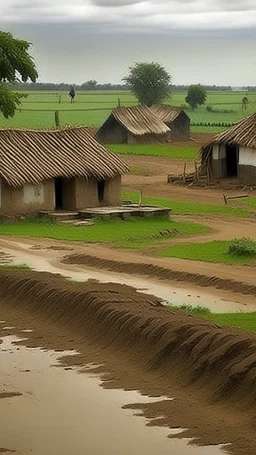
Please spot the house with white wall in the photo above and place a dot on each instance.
(233, 153)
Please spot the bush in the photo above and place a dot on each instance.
(246, 246)
(209, 108)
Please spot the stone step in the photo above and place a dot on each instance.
(58, 217)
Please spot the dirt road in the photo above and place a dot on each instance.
(222, 289)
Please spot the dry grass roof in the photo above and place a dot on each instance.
(139, 120)
(28, 156)
(242, 133)
(167, 113)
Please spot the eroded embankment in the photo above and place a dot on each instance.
(210, 370)
(161, 273)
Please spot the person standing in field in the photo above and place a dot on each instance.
(72, 95)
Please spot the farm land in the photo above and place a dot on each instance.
(92, 108)
(201, 229)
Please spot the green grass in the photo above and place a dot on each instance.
(14, 267)
(92, 108)
(132, 233)
(183, 153)
(249, 202)
(188, 208)
(241, 320)
(216, 251)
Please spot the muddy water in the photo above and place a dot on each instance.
(218, 301)
(62, 412)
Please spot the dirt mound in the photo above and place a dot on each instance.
(147, 347)
(161, 273)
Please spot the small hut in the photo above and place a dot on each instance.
(133, 125)
(60, 169)
(233, 153)
(176, 119)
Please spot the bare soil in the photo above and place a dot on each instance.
(207, 369)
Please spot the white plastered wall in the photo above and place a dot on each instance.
(33, 194)
(247, 156)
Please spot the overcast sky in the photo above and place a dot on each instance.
(207, 41)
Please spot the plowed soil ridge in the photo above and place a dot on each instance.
(196, 351)
(161, 273)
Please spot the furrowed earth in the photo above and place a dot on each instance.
(195, 378)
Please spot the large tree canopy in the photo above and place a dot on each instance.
(16, 64)
(149, 82)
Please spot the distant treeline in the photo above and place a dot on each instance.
(94, 85)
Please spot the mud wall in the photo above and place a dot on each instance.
(86, 193)
(180, 128)
(148, 139)
(247, 174)
(112, 191)
(112, 132)
(27, 199)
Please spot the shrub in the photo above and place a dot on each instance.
(246, 246)
(209, 108)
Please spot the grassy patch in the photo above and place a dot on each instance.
(183, 153)
(132, 233)
(188, 208)
(249, 202)
(216, 251)
(245, 321)
(14, 267)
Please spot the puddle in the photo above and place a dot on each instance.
(62, 412)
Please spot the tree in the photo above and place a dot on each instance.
(149, 82)
(16, 65)
(196, 96)
(89, 85)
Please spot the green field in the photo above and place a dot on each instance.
(191, 208)
(92, 108)
(182, 153)
(216, 251)
(134, 233)
(245, 321)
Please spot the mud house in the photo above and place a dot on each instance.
(176, 119)
(61, 169)
(133, 125)
(233, 153)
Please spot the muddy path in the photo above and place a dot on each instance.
(171, 283)
(205, 372)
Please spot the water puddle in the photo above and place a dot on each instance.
(62, 412)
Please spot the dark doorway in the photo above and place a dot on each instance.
(58, 193)
(232, 159)
(101, 189)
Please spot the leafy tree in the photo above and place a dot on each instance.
(16, 65)
(196, 96)
(89, 85)
(149, 82)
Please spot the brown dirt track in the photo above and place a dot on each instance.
(209, 370)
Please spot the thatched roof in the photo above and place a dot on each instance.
(139, 120)
(242, 133)
(33, 156)
(167, 113)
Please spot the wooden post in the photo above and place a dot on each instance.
(57, 119)
(184, 173)
(118, 103)
(207, 175)
(196, 172)
(140, 199)
(225, 198)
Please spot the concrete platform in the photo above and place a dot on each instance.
(124, 211)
